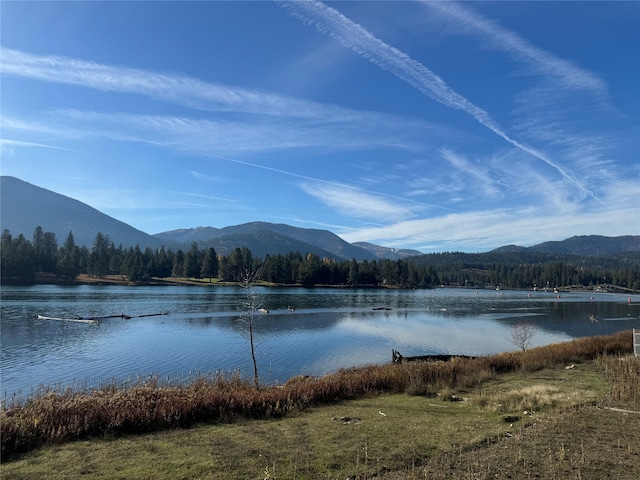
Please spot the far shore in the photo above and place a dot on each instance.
(85, 279)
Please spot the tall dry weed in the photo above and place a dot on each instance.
(149, 404)
(624, 374)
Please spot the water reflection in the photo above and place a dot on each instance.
(328, 329)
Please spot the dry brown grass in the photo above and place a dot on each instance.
(593, 439)
(61, 416)
(624, 372)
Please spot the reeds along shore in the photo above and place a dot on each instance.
(60, 416)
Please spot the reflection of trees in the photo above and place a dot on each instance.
(573, 318)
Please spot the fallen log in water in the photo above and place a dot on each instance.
(122, 315)
(96, 320)
(80, 320)
(129, 317)
(396, 357)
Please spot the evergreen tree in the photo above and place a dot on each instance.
(308, 270)
(68, 260)
(159, 263)
(235, 264)
(45, 247)
(354, 273)
(115, 260)
(17, 259)
(99, 257)
(38, 247)
(7, 258)
(191, 266)
(133, 265)
(177, 269)
(209, 267)
(49, 252)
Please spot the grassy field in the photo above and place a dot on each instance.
(553, 422)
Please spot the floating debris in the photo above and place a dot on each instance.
(80, 320)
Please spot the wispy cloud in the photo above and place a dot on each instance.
(208, 178)
(556, 110)
(569, 122)
(536, 59)
(481, 182)
(245, 120)
(208, 197)
(206, 137)
(228, 137)
(185, 90)
(168, 87)
(358, 204)
(490, 228)
(5, 142)
(352, 35)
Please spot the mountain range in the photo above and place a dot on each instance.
(24, 206)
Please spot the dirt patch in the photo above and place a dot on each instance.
(347, 420)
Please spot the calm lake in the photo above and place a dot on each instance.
(328, 329)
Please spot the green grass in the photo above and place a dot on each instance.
(347, 439)
(393, 421)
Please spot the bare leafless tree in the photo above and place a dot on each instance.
(522, 334)
(251, 308)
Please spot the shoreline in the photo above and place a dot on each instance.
(119, 280)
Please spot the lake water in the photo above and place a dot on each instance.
(328, 329)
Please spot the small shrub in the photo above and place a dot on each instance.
(533, 398)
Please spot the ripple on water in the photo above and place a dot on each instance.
(328, 329)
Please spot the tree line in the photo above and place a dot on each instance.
(22, 259)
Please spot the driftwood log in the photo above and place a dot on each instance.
(397, 357)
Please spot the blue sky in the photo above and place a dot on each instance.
(438, 126)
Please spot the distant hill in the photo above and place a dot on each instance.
(23, 207)
(270, 238)
(386, 252)
(509, 249)
(591, 250)
(591, 245)
(189, 235)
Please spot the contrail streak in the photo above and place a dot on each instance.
(510, 42)
(352, 35)
(326, 182)
(19, 143)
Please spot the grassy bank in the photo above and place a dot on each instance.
(549, 423)
(63, 416)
